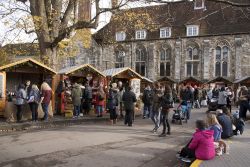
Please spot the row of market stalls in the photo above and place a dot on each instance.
(13, 74)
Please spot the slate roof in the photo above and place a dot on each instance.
(215, 19)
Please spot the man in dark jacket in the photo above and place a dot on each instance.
(128, 99)
(196, 97)
(226, 123)
(187, 95)
(147, 100)
(156, 113)
(87, 98)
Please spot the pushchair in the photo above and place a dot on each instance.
(213, 104)
(180, 113)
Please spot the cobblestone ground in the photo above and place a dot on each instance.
(95, 145)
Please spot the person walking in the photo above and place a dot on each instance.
(166, 102)
(155, 114)
(20, 101)
(196, 97)
(120, 104)
(128, 99)
(147, 100)
(100, 101)
(76, 96)
(34, 99)
(187, 97)
(222, 98)
(113, 103)
(243, 100)
(230, 98)
(45, 99)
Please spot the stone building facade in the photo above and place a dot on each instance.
(201, 39)
(177, 57)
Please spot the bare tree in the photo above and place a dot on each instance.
(55, 20)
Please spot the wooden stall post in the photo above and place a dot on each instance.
(53, 86)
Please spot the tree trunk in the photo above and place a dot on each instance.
(49, 57)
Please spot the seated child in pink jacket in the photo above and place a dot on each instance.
(201, 145)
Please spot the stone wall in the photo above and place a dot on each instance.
(238, 64)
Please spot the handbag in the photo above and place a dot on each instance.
(31, 99)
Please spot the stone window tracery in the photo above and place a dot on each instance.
(165, 57)
(119, 58)
(140, 61)
(192, 61)
(221, 61)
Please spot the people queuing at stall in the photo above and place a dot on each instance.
(31, 95)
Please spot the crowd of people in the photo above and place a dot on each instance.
(221, 123)
(30, 94)
(207, 141)
(114, 100)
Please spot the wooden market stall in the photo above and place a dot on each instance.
(167, 81)
(222, 81)
(191, 81)
(245, 81)
(12, 75)
(80, 74)
(128, 77)
(144, 82)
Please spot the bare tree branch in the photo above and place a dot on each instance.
(67, 14)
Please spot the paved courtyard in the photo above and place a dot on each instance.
(98, 144)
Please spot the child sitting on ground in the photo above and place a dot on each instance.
(201, 145)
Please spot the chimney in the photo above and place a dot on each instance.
(84, 10)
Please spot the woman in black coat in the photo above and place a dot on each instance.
(166, 101)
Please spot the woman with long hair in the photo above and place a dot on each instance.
(213, 124)
(166, 101)
(45, 99)
(34, 99)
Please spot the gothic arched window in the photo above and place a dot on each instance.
(192, 61)
(221, 61)
(140, 61)
(119, 58)
(165, 56)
